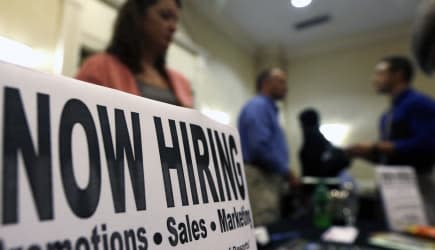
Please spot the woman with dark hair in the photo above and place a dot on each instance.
(134, 61)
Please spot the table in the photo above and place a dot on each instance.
(370, 220)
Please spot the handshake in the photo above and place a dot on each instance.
(369, 151)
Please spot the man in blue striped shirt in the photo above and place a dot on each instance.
(264, 146)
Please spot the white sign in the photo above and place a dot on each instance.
(90, 168)
(402, 200)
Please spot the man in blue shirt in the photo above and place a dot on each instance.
(264, 146)
(407, 130)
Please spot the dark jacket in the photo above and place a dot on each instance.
(319, 158)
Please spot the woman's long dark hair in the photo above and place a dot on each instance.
(129, 33)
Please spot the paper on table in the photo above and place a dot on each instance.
(402, 200)
(341, 234)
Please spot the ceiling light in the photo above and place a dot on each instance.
(301, 3)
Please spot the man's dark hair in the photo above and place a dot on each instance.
(262, 77)
(129, 33)
(400, 64)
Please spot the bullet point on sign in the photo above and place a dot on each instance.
(158, 238)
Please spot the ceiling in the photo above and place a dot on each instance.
(270, 23)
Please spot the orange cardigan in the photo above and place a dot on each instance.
(106, 70)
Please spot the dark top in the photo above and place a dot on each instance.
(263, 140)
(410, 125)
(319, 158)
(157, 94)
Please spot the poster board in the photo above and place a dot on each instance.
(85, 167)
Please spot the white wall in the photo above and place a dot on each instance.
(226, 71)
(34, 24)
(96, 23)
